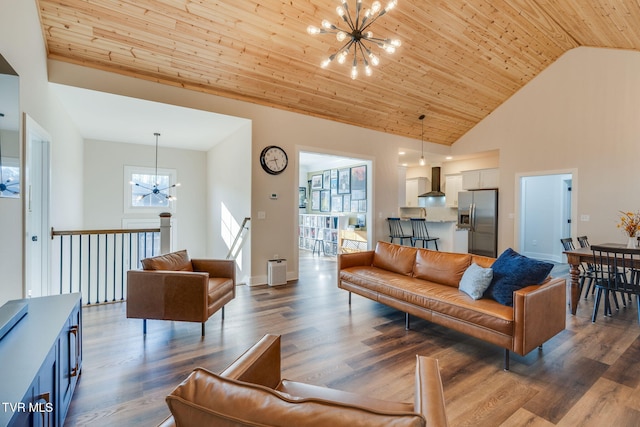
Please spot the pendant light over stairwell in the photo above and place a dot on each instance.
(422, 162)
(155, 191)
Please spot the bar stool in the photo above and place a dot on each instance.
(420, 232)
(396, 232)
(318, 245)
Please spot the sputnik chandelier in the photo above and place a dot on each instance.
(155, 191)
(358, 38)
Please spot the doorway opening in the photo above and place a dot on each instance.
(334, 203)
(546, 210)
(36, 210)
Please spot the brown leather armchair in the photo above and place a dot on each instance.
(251, 392)
(174, 287)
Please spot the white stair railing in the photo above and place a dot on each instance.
(239, 240)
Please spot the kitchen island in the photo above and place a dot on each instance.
(441, 223)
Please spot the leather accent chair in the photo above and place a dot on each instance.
(174, 287)
(251, 392)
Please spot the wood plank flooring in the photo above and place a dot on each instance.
(587, 375)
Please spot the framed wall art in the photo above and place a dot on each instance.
(316, 182)
(359, 182)
(346, 202)
(302, 197)
(325, 201)
(336, 203)
(315, 200)
(344, 181)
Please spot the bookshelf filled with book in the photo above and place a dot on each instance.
(314, 230)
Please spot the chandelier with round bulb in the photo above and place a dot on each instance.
(155, 191)
(358, 39)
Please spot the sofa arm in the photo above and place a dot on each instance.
(355, 259)
(429, 396)
(216, 267)
(258, 365)
(167, 295)
(539, 314)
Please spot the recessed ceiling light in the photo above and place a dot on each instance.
(402, 153)
(448, 158)
(405, 164)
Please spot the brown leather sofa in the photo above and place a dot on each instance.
(251, 392)
(174, 287)
(424, 283)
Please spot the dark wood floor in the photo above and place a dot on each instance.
(588, 375)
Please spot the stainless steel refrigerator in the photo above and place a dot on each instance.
(478, 213)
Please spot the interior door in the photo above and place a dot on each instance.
(36, 178)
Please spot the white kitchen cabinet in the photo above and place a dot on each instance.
(481, 178)
(415, 187)
(453, 185)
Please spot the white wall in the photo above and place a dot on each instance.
(580, 113)
(22, 46)
(104, 185)
(229, 198)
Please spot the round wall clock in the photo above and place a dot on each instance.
(273, 160)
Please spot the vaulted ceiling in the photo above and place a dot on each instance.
(459, 60)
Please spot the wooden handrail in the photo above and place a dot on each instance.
(111, 231)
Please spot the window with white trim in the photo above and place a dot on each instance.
(144, 191)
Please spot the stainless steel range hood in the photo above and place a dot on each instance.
(435, 184)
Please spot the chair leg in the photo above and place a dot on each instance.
(407, 322)
(615, 299)
(589, 286)
(596, 304)
(203, 329)
(223, 312)
(436, 243)
(349, 298)
(144, 326)
(506, 359)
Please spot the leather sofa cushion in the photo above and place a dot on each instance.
(207, 399)
(304, 390)
(482, 261)
(441, 267)
(218, 287)
(174, 261)
(431, 296)
(395, 258)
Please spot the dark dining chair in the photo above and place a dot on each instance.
(616, 273)
(420, 232)
(586, 274)
(396, 231)
(589, 268)
(583, 241)
(567, 244)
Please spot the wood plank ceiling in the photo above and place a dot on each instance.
(459, 60)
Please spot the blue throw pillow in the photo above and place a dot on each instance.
(512, 271)
(475, 280)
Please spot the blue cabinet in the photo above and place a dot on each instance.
(41, 358)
